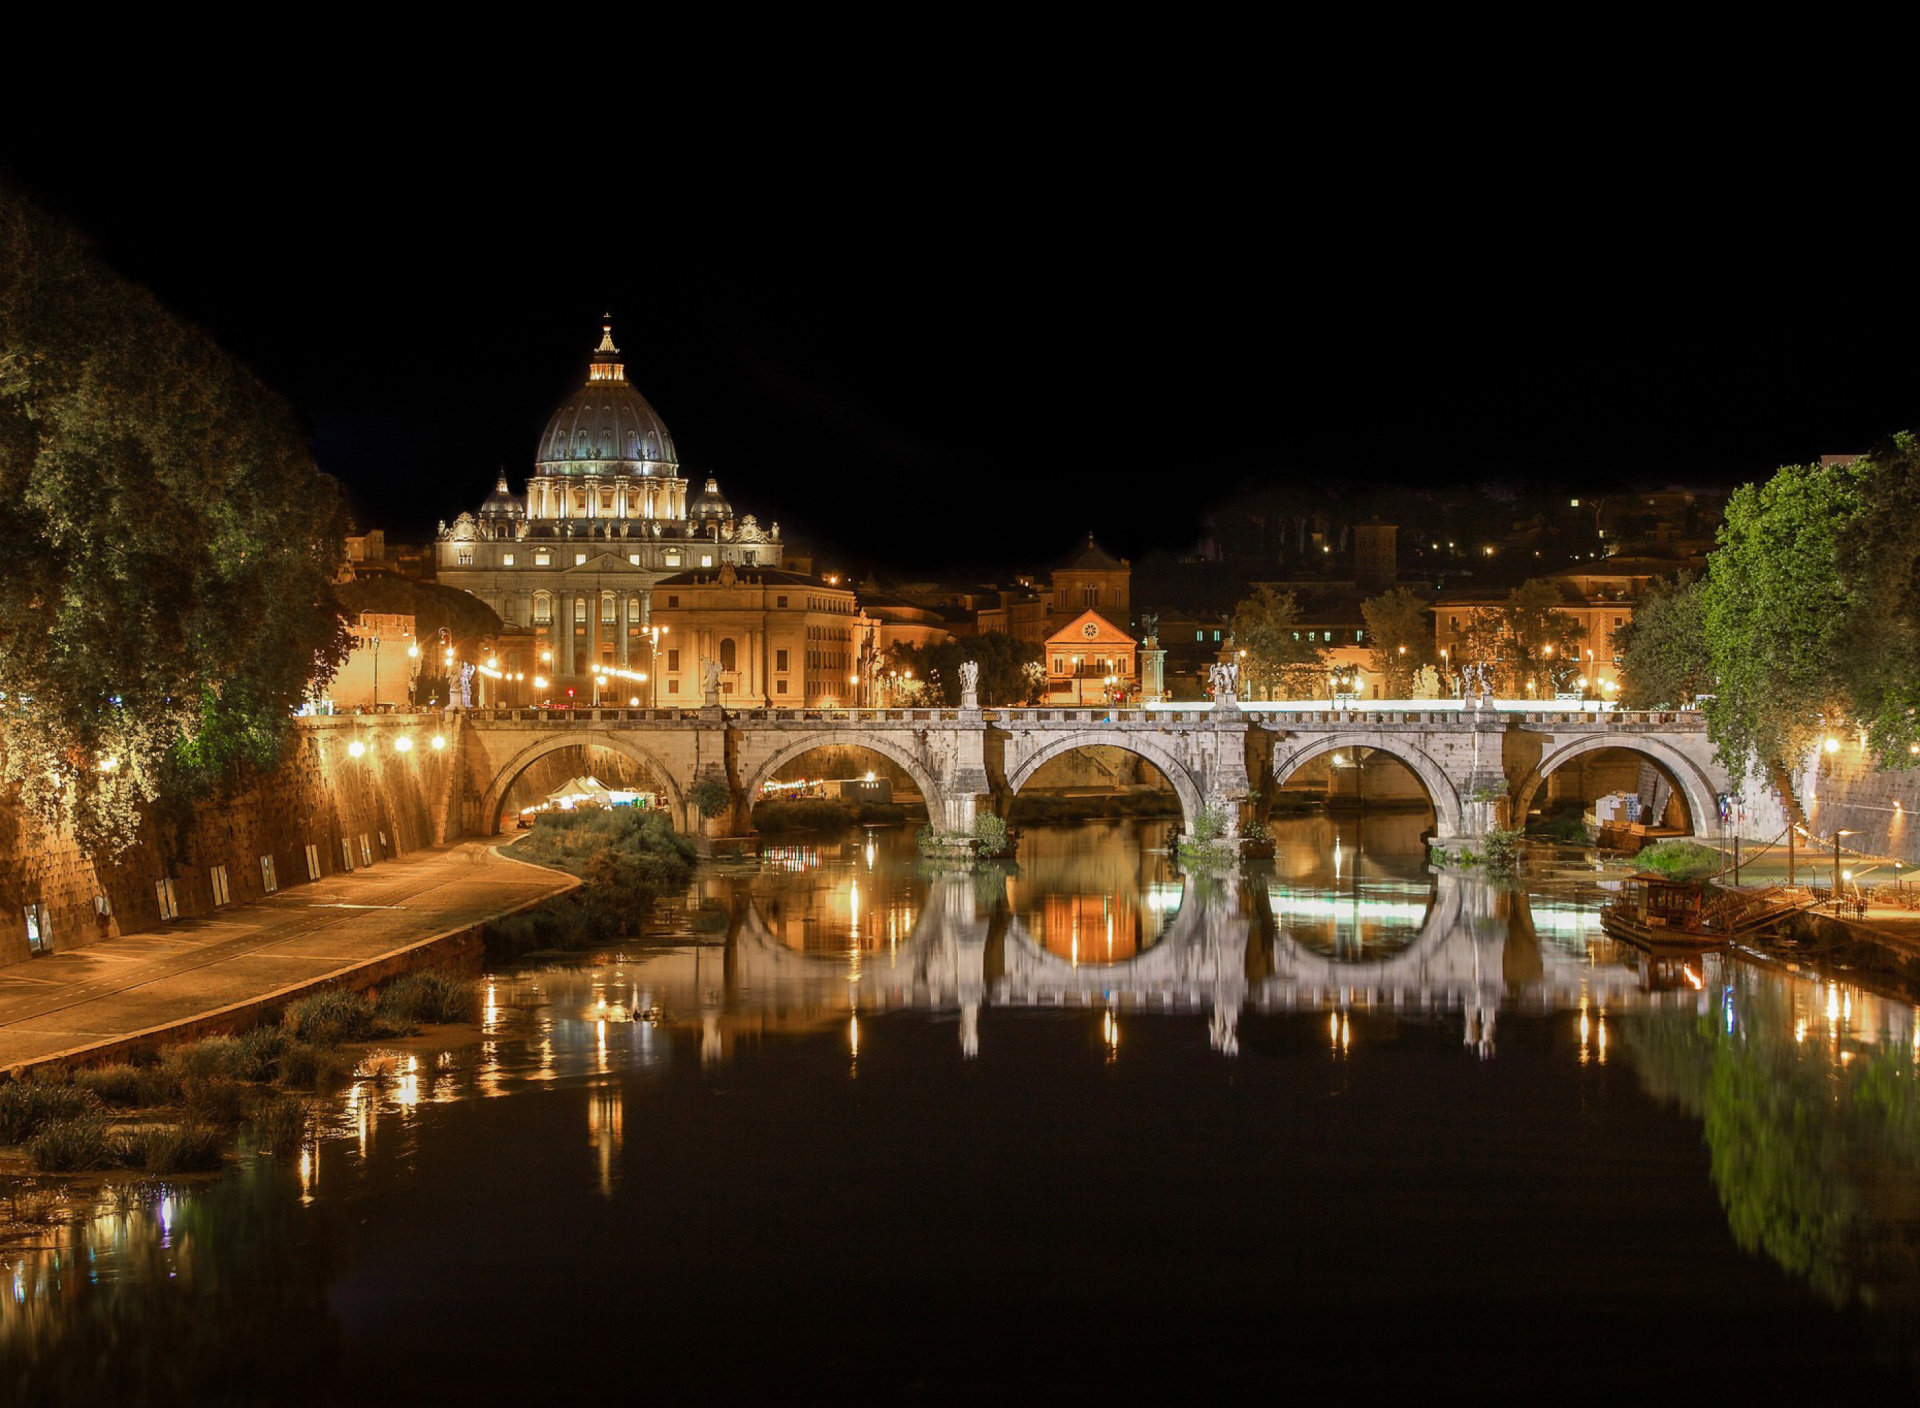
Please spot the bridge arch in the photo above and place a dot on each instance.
(1290, 754)
(496, 794)
(1142, 745)
(915, 767)
(1696, 787)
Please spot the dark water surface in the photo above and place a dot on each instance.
(845, 1131)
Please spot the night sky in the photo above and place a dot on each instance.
(928, 345)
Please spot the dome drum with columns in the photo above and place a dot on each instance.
(605, 516)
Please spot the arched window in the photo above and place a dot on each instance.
(727, 654)
(542, 609)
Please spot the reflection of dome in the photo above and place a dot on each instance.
(710, 505)
(606, 427)
(502, 503)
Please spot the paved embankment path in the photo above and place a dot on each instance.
(66, 1002)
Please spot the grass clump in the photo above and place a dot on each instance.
(305, 1066)
(1680, 860)
(27, 1107)
(627, 860)
(428, 996)
(216, 1100)
(174, 1148)
(330, 1018)
(120, 1086)
(260, 1051)
(280, 1125)
(72, 1145)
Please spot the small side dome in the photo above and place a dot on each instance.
(502, 503)
(711, 505)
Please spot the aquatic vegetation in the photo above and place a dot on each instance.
(280, 1125)
(73, 1145)
(175, 1148)
(427, 996)
(29, 1106)
(329, 1018)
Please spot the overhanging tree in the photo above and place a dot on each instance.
(1526, 639)
(173, 597)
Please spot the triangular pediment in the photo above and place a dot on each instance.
(603, 562)
(1089, 628)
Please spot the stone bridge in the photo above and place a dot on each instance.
(1477, 766)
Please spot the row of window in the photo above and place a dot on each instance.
(1122, 664)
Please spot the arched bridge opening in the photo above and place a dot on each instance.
(1351, 776)
(572, 770)
(1620, 784)
(828, 783)
(1101, 773)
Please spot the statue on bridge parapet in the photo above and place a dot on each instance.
(1224, 677)
(969, 684)
(710, 681)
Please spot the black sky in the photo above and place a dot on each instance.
(972, 335)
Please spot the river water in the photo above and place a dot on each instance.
(837, 1128)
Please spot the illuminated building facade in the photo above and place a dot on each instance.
(606, 517)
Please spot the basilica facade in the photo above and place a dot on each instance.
(606, 518)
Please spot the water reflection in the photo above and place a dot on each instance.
(728, 1069)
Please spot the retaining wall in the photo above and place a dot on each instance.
(385, 802)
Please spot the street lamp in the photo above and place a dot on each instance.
(1836, 867)
(376, 674)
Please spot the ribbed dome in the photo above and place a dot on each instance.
(606, 427)
(502, 503)
(711, 504)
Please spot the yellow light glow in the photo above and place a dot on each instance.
(109, 764)
(439, 742)
(356, 748)
(1833, 745)
(403, 744)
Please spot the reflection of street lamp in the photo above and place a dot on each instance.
(1836, 868)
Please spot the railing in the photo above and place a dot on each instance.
(1370, 713)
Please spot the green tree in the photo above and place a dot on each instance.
(1664, 659)
(1526, 639)
(1400, 625)
(1777, 614)
(1878, 558)
(1005, 678)
(175, 546)
(1276, 662)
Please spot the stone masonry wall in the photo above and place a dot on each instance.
(391, 799)
(1841, 791)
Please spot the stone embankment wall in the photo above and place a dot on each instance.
(1840, 791)
(352, 810)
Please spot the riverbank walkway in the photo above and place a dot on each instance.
(140, 984)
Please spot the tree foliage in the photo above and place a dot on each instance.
(175, 546)
(1777, 613)
(1400, 625)
(1277, 662)
(1526, 640)
(1005, 676)
(1664, 658)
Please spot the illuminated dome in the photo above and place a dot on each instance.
(502, 503)
(711, 504)
(606, 427)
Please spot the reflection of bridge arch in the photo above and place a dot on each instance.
(874, 742)
(496, 794)
(1295, 963)
(1141, 745)
(1696, 789)
(1292, 754)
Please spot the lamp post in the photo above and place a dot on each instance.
(376, 674)
(1836, 868)
(653, 634)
